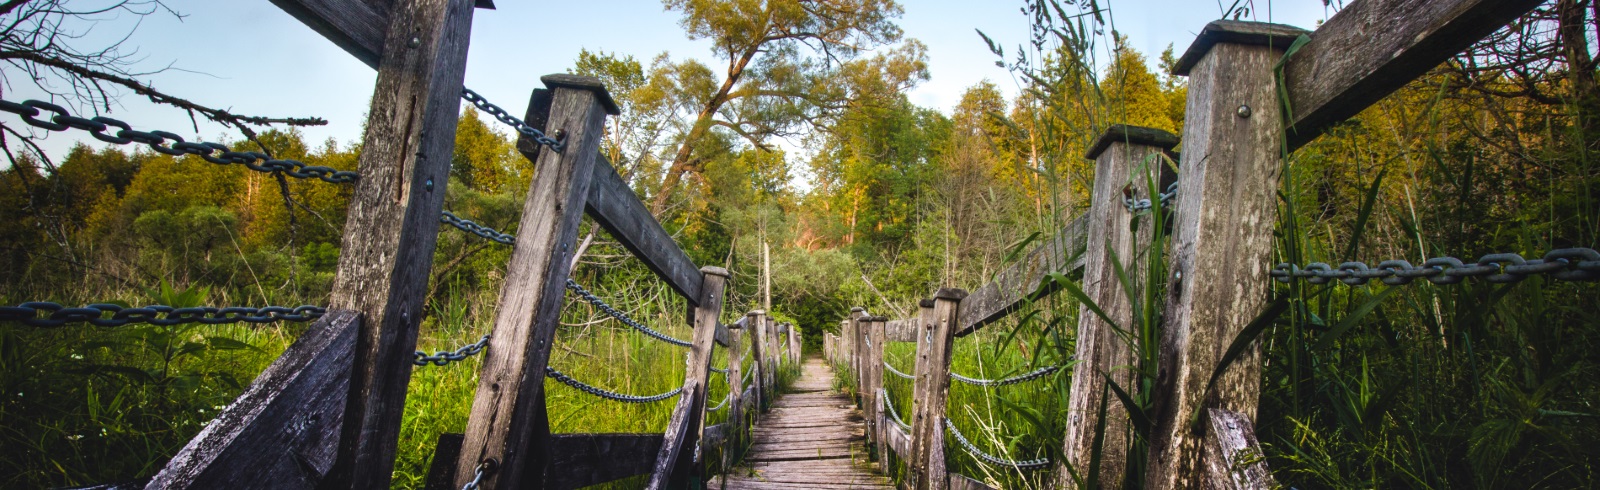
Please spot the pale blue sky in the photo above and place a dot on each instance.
(249, 56)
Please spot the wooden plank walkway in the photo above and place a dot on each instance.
(812, 438)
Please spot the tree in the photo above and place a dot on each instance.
(782, 57)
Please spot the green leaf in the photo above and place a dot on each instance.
(1352, 319)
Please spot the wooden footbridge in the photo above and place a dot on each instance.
(327, 414)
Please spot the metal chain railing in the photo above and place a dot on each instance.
(443, 357)
(1137, 205)
(894, 415)
(1036, 374)
(469, 226)
(510, 120)
(620, 316)
(896, 371)
(1567, 264)
(96, 314)
(720, 371)
(1032, 464)
(607, 394)
(478, 473)
(168, 143)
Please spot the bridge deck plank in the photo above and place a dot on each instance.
(812, 439)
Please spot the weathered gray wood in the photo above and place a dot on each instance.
(1018, 283)
(582, 460)
(722, 336)
(392, 224)
(508, 423)
(1373, 47)
(895, 437)
(796, 344)
(756, 321)
(812, 439)
(442, 471)
(903, 330)
(1222, 244)
(963, 482)
(685, 427)
(1125, 157)
(925, 328)
(1233, 457)
(874, 391)
(736, 414)
(946, 315)
(282, 432)
(616, 208)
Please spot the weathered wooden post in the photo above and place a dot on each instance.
(1225, 212)
(935, 367)
(1126, 157)
(758, 352)
(923, 331)
(853, 342)
(737, 428)
(858, 329)
(393, 219)
(687, 424)
(774, 353)
(795, 344)
(508, 424)
(874, 390)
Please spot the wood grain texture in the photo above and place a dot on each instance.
(903, 330)
(946, 316)
(392, 223)
(736, 414)
(1233, 457)
(917, 459)
(895, 437)
(1222, 242)
(685, 427)
(963, 482)
(758, 380)
(508, 422)
(282, 432)
(1019, 283)
(1373, 47)
(590, 459)
(616, 208)
(1125, 158)
(874, 392)
(812, 439)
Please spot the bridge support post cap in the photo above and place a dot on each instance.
(712, 270)
(1133, 135)
(576, 82)
(858, 309)
(756, 313)
(925, 303)
(1236, 32)
(952, 294)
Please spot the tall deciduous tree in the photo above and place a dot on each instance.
(783, 58)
